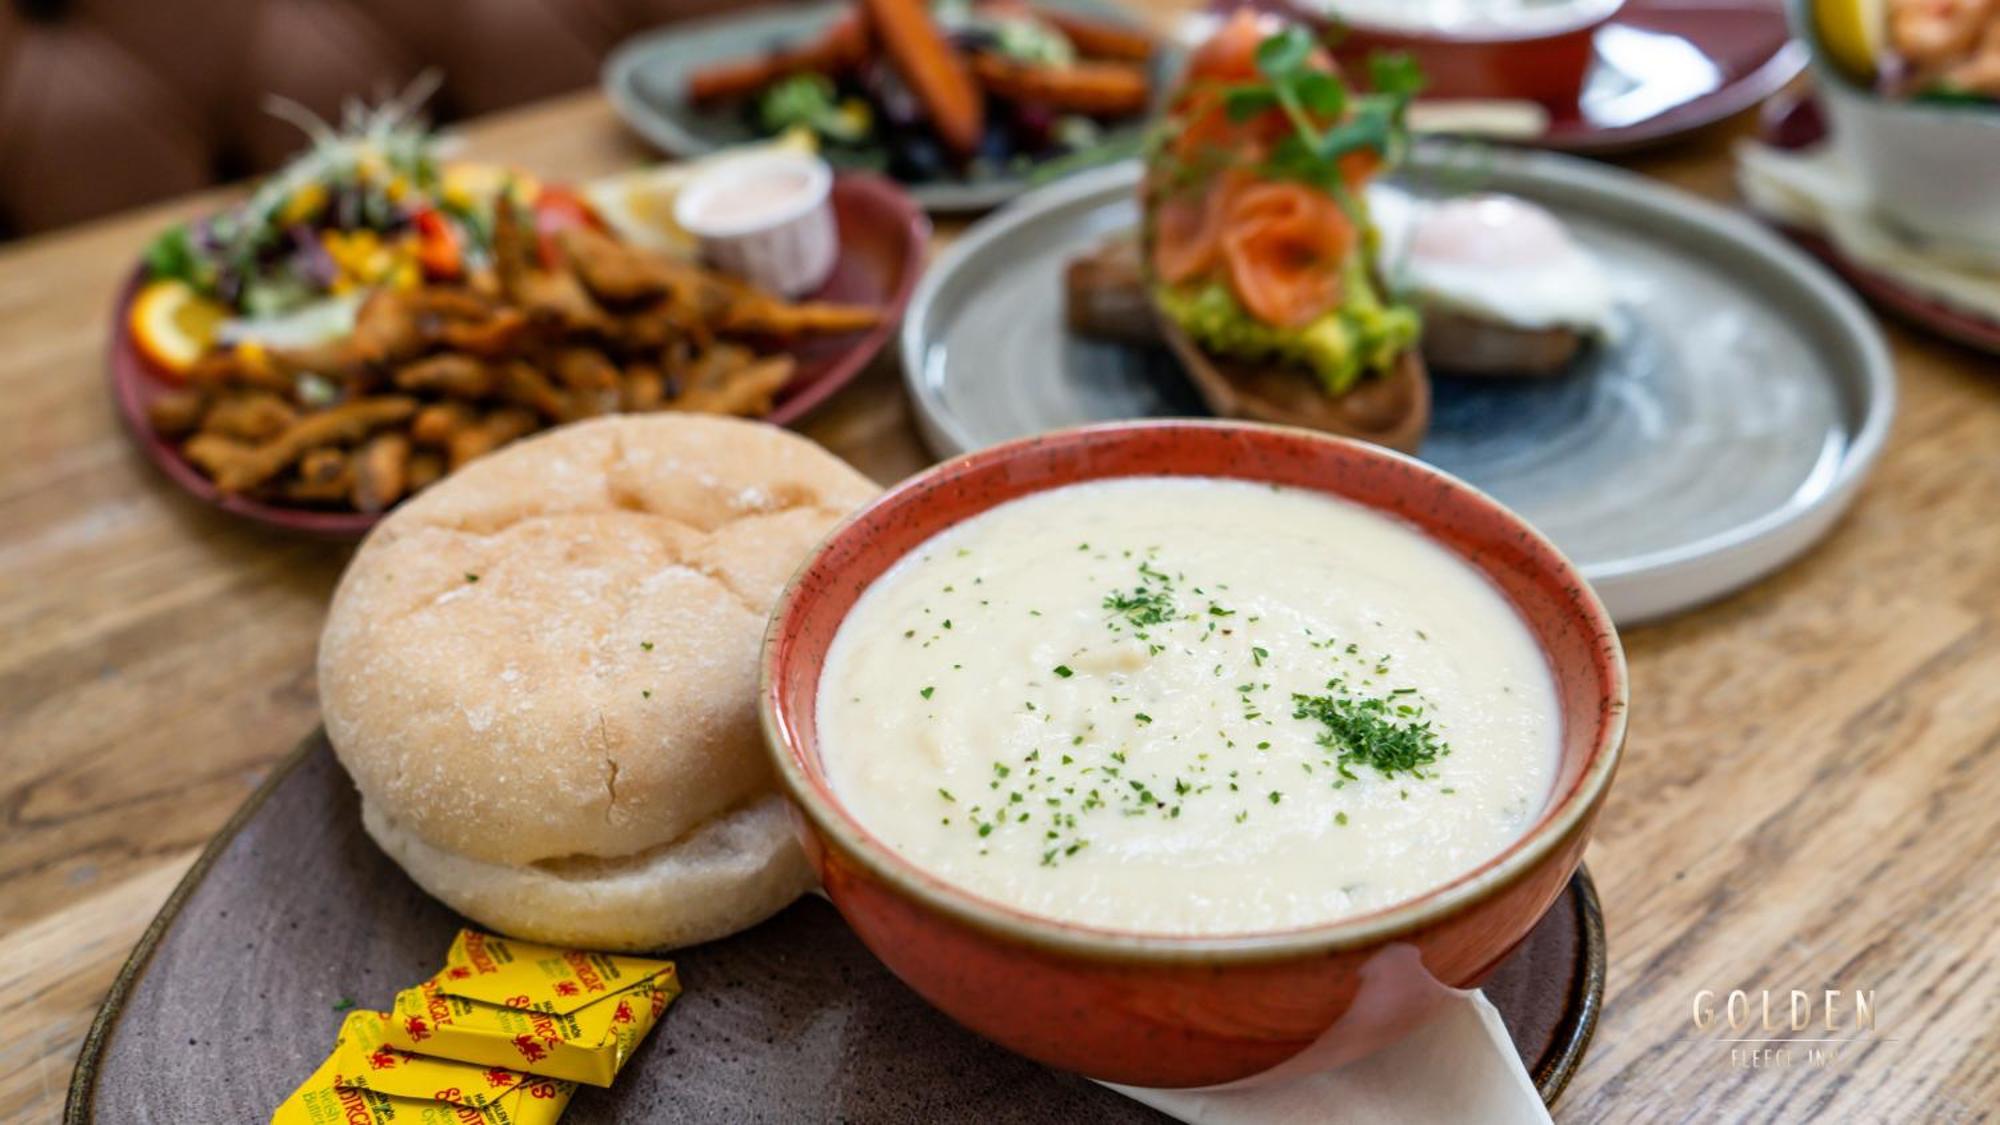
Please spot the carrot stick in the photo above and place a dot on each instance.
(934, 70)
(840, 48)
(1099, 39)
(1099, 89)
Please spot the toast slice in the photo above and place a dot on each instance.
(1107, 299)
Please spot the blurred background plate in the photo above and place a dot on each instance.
(883, 239)
(1658, 69)
(1665, 67)
(1745, 397)
(646, 81)
(1797, 120)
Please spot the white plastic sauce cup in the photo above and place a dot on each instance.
(767, 218)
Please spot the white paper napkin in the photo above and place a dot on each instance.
(1459, 1067)
(1815, 190)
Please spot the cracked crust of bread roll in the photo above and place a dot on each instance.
(542, 673)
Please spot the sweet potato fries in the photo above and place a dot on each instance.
(559, 328)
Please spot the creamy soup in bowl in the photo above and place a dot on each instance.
(1187, 705)
(1171, 752)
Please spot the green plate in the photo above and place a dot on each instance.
(646, 80)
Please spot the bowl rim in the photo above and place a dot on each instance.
(837, 827)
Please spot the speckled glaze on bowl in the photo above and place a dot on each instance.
(1179, 1011)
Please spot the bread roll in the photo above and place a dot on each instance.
(542, 673)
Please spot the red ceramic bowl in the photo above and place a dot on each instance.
(1176, 1011)
(1544, 61)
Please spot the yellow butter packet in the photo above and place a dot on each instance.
(366, 1081)
(560, 1013)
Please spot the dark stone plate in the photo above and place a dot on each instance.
(292, 914)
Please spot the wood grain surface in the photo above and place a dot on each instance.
(1808, 801)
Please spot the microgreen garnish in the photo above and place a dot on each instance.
(1328, 119)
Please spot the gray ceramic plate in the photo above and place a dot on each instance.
(1718, 437)
(646, 80)
(291, 914)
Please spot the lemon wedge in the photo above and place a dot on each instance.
(173, 325)
(1853, 33)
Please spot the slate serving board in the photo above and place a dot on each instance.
(233, 996)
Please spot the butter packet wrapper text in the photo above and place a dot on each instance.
(366, 1081)
(553, 1012)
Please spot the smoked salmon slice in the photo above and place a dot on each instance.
(1284, 244)
(1187, 229)
(1230, 55)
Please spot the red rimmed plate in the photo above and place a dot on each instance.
(1658, 69)
(1795, 121)
(883, 240)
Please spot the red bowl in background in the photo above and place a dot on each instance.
(884, 236)
(1179, 1011)
(1545, 60)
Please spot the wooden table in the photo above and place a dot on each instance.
(1810, 799)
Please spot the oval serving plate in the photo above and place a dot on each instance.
(883, 240)
(646, 81)
(1718, 437)
(291, 915)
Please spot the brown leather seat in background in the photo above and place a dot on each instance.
(107, 104)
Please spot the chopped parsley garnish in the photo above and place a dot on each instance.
(1064, 671)
(1149, 603)
(1368, 731)
(926, 693)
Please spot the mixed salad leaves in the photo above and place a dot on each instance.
(370, 204)
(366, 204)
